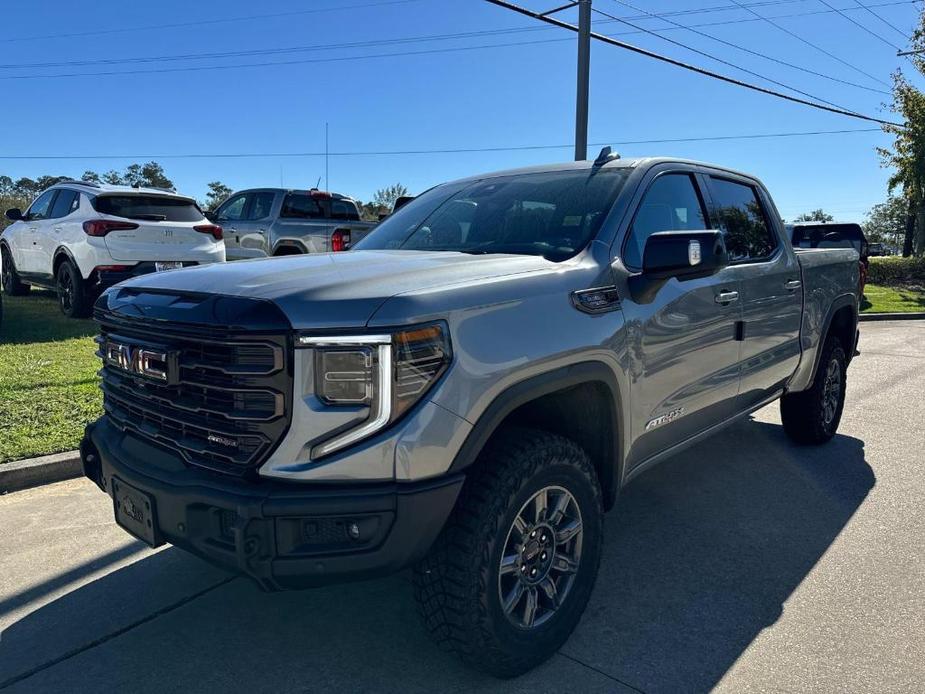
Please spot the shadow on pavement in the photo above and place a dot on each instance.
(700, 555)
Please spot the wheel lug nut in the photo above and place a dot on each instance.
(543, 538)
(533, 534)
(533, 572)
(523, 568)
(543, 556)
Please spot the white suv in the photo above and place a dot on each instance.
(79, 238)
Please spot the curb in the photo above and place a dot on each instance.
(864, 317)
(31, 472)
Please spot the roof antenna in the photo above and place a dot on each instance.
(607, 154)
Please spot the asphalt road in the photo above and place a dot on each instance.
(744, 564)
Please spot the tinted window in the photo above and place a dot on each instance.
(301, 206)
(741, 217)
(39, 209)
(233, 209)
(66, 202)
(344, 209)
(260, 205)
(552, 214)
(828, 236)
(157, 208)
(670, 204)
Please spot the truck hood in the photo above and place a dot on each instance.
(337, 290)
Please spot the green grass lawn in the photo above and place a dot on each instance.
(879, 299)
(48, 384)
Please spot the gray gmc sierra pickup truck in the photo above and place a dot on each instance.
(468, 389)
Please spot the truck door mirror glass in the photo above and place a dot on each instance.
(684, 254)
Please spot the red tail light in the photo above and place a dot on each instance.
(213, 229)
(340, 240)
(101, 227)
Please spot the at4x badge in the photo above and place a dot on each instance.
(664, 419)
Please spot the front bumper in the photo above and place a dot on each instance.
(283, 535)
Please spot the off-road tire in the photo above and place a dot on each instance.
(804, 415)
(457, 583)
(10, 278)
(73, 296)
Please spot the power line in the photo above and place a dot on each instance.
(808, 43)
(882, 19)
(459, 150)
(687, 66)
(753, 52)
(203, 22)
(412, 39)
(861, 26)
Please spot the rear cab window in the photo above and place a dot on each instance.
(155, 208)
(740, 215)
(301, 206)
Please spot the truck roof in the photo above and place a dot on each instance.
(316, 191)
(614, 163)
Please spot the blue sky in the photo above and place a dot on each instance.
(503, 96)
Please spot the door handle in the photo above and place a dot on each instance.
(726, 297)
(793, 284)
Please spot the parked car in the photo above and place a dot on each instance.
(878, 249)
(468, 389)
(79, 238)
(275, 221)
(834, 235)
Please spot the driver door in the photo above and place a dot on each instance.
(682, 344)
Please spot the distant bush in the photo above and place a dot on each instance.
(895, 271)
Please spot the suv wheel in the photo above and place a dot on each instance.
(10, 278)
(812, 416)
(72, 292)
(511, 573)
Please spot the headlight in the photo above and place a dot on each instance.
(387, 373)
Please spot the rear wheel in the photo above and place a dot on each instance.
(812, 416)
(73, 297)
(9, 277)
(511, 573)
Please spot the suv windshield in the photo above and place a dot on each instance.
(152, 207)
(553, 214)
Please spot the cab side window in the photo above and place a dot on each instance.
(260, 206)
(40, 208)
(742, 219)
(671, 203)
(233, 210)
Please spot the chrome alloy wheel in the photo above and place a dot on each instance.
(831, 392)
(540, 558)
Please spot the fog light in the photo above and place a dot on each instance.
(353, 530)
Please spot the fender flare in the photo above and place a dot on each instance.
(837, 304)
(289, 243)
(63, 251)
(536, 387)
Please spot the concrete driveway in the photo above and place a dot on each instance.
(744, 564)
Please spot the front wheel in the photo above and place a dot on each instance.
(511, 573)
(73, 297)
(812, 416)
(9, 277)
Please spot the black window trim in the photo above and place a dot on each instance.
(697, 184)
(758, 191)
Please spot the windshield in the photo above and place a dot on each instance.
(552, 214)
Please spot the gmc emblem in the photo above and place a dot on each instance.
(141, 361)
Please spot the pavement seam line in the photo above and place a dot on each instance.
(601, 672)
(108, 637)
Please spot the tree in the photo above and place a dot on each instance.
(815, 216)
(90, 176)
(907, 156)
(218, 192)
(886, 222)
(386, 197)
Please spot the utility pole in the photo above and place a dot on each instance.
(326, 184)
(915, 52)
(584, 72)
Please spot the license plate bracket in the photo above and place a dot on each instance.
(135, 512)
(161, 265)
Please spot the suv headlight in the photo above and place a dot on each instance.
(388, 373)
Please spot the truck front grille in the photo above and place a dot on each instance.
(227, 403)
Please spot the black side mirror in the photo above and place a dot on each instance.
(210, 215)
(14, 214)
(684, 255)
